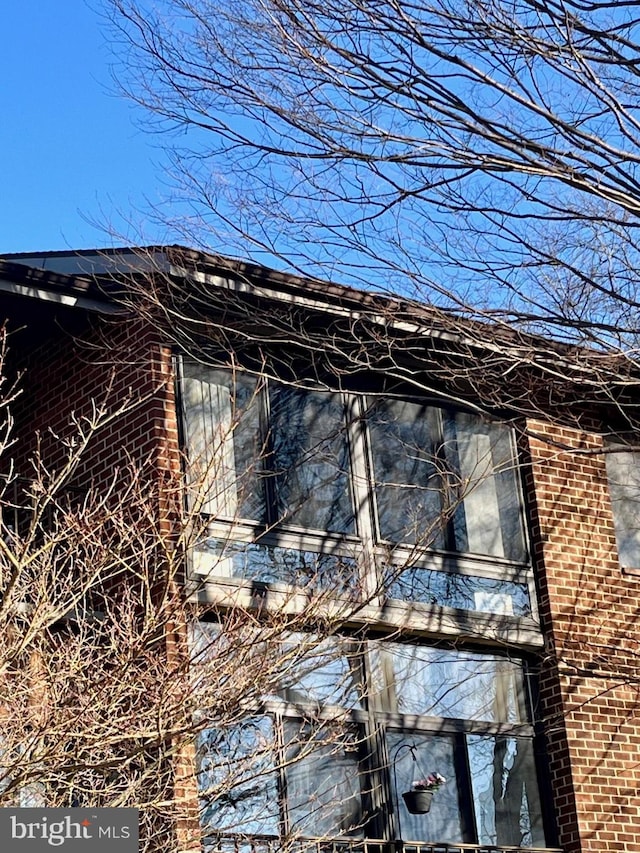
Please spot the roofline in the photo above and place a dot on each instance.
(62, 289)
(219, 262)
(396, 312)
(181, 261)
(401, 314)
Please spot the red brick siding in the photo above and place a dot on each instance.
(67, 376)
(590, 691)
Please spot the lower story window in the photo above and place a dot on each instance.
(318, 783)
(332, 754)
(490, 797)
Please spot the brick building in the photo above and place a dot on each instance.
(438, 490)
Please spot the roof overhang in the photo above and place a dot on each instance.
(71, 291)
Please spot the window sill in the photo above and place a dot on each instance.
(427, 620)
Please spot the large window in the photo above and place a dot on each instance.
(364, 492)
(385, 498)
(353, 724)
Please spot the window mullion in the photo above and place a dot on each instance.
(272, 510)
(362, 487)
(465, 792)
(385, 823)
(280, 763)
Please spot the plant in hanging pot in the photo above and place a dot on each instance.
(418, 799)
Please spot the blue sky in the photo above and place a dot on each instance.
(70, 147)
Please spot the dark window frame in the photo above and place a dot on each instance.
(375, 557)
(377, 764)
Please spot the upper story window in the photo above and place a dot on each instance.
(623, 474)
(302, 483)
(268, 455)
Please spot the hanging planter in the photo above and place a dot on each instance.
(418, 799)
(417, 802)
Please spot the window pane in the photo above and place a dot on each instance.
(434, 682)
(505, 791)
(408, 485)
(321, 672)
(222, 432)
(447, 589)
(299, 668)
(488, 517)
(429, 754)
(323, 781)
(623, 472)
(237, 780)
(310, 460)
(269, 564)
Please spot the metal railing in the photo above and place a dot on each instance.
(271, 844)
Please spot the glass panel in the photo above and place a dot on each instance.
(408, 679)
(222, 432)
(505, 791)
(203, 641)
(623, 472)
(466, 592)
(299, 668)
(236, 778)
(408, 484)
(323, 781)
(484, 481)
(432, 754)
(270, 564)
(310, 460)
(321, 672)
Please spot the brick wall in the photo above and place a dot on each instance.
(110, 367)
(123, 368)
(590, 690)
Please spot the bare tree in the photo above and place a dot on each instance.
(129, 681)
(101, 704)
(480, 154)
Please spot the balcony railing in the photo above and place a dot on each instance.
(271, 844)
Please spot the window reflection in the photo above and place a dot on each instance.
(222, 430)
(430, 753)
(324, 673)
(407, 479)
(275, 564)
(487, 516)
(333, 757)
(465, 592)
(237, 779)
(309, 460)
(410, 679)
(505, 793)
(323, 782)
(623, 475)
(281, 455)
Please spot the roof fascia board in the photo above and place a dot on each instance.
(101, 262)
(59, 298)
(240, 282)
(243, 285)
